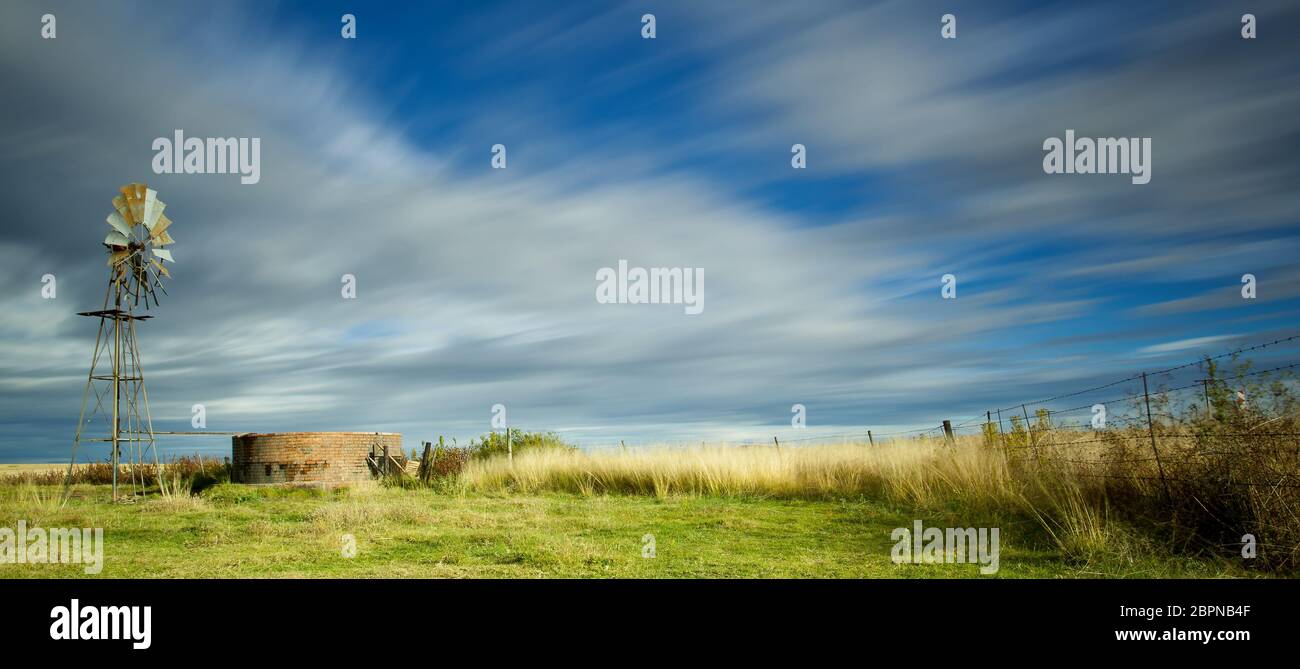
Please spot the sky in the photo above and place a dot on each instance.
(476, 286)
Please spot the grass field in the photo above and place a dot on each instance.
(8, 469)
(1066, 504)
(238, 531)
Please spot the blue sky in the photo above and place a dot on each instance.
(475, 286)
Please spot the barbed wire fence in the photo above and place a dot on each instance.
(1030, 430)
(1041, 427)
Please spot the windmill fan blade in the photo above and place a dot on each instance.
(119, 224)
(135, 256)
(153, 208)
(119, 203)
(147, 203)
(160, 225)
(135, 195)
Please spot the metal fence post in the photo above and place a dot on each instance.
(1029, 429)
(1152, 431)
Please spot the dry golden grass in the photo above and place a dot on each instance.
(922, 473)
(914, 472)
(8, 469)
(1088, 494)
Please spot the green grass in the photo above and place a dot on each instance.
(237, 531)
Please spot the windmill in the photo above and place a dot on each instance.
(138, 231)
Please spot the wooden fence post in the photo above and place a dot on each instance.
(870, 440)
(947, 431)
(425, 472)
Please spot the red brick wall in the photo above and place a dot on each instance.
(287, 457)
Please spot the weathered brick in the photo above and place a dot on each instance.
(288, 457)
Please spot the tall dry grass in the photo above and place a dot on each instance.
(179, 474)
(912, 472)
(1092, 496)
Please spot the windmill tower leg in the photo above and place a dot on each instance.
(143, 419)
(85, 400)
(85, 394)
(130, 423)
(116, 424)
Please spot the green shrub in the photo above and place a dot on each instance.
(493, 444)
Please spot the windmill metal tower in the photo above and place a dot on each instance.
(116, 379)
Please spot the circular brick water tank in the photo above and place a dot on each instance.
(308, 457)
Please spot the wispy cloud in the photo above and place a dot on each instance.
(1203, 344)
(476, 287)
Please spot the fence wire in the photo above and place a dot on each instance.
(1043, 427)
